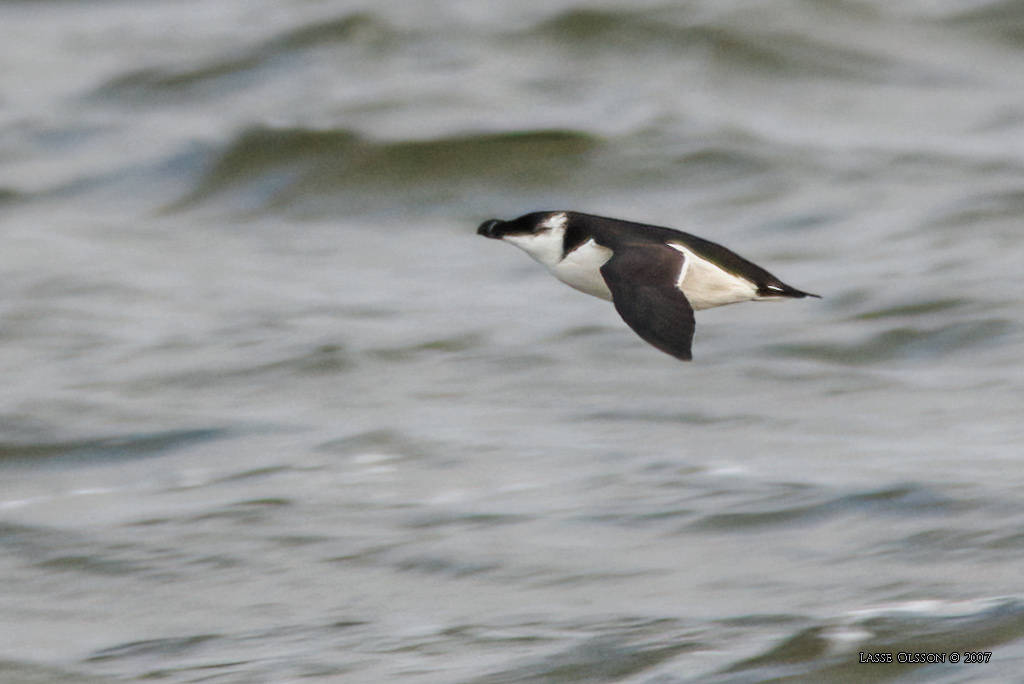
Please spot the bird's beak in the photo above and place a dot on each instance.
(487, 229)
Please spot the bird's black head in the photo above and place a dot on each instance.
(528, 224)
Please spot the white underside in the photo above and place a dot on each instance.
(707, 285)
(580, 269)
(704, 284)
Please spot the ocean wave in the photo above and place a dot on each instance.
(276, 168)
(1001, 18)
(360, 30)
(335, 171)
(730, 40)
(114, 447)
(829, 650)
(815, 505)
(603, 658)
(9, 196)
(315, 360)
(903, 342)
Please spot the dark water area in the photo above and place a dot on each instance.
(271, 411)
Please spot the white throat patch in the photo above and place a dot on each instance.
(580, 268)
(545, 245)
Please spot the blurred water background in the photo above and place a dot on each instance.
(270, 410)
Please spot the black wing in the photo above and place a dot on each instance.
(642, 279)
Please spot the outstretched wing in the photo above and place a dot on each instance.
(642, 279)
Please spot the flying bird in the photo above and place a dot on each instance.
(656, 277)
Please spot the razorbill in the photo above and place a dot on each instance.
(656, 277)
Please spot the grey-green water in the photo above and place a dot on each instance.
(271, 411)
